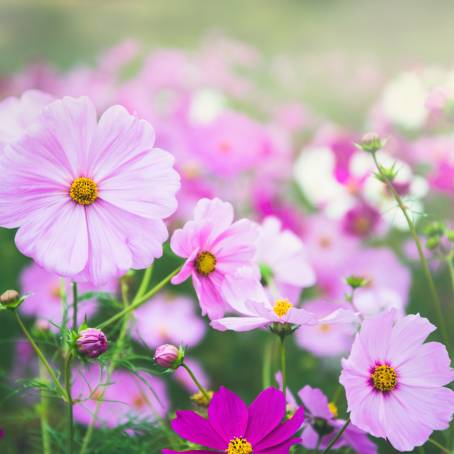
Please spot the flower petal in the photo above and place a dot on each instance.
(239, 324)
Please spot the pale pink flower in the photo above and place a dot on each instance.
(395, 383)
(88, 197)
(214, 247)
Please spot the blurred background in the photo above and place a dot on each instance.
(333, 56)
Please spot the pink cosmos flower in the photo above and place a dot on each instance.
(323, 415)
(125, 396)
(168, 319)
(88, 197)
(233, 427)
(44, 300)
(284, 256)
(395, 384)
(214, 247)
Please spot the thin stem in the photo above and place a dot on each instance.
(451, 271)
(283, 365)
(44, 413)
(266, 367)
(40, 355)
(70, 420)
(75, 301)
(145, 282)
(139, 301)
(439, 446)
(422, 257)
(339, 434)
(197, 383)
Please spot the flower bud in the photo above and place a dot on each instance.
(168, 356)
(356, 281)
(371, 142)
(91, 342)
(10, 299)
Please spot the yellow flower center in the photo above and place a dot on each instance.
(383, 378)
(83, 191)
(281, 307)
(324, 328)
(239, 445)
(205, 263)
(333, 409)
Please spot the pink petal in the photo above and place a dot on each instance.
(208, 289)
(316, 402)
(240, 324)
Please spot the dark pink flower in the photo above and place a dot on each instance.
(234, 428)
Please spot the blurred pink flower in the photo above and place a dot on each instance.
(214, 247)
(126, 396)
(182, 376)
(92, 195)
(395, 384)
(168, 319)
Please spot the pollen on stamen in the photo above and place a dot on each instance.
(383, 377)
(83, 191)
(281, 307)
(239, 445)
(333, 409)
(205, 263)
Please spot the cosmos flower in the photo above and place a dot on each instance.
(124, 396)
(395, 383)
(168, 319)
(88, 197)
(234, 428)
(282, 256)
(214, 247)
(323, 417)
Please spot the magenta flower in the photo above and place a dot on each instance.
(214, 247)
(92, 342)
(323, 417)
(88, 197)
(395, 383)
(234, 428)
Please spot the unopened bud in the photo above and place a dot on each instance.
(371, 142)
(92, 342)
(169, 356)
(10, 299)
(356, 281)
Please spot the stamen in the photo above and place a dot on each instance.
(281, 307)
(83, 191)
(205, 263)
(383, 378)
(333, 409)
(239, 445)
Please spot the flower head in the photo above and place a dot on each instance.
(395, 383)
(89, 197)
(168, 356)
(91, 342)
(215, 247)
(234, 428)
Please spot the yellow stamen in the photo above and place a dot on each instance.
(83, 191)
(239, 445)
(281, 307)
(383, 378)
(333, 409)
(324, 328)
(200, 399)
(205, 263)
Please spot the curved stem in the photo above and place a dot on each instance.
(75, 301)
(339, 434)
(40, 355)
(283, 365)
(422, 257)
(139, 301)
(197, 383)
(69, 407)
(439, 446)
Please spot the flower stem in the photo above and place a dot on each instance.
(283, 365)
(145, 282)
(439, 446)
(197, 383)
(70, 420)
(40, 355)
(139, 301)
(422, 258)
(75, 301)
(44, 413)
(266, 367)
(339, 434)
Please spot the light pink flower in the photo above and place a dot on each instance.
(395, 384)
(125, 396)
(168, 319)
(214, 247)
(88, 197)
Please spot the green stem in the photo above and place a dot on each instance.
(283, 364)
(139, 301)
(451, 272)
(69, 407)
(422, 257)
(339, 434)
(44, 413)
(118, 349)
(75, 301)
(266, 367)
(439, 446)
(197, 383)
(40, 355)
(145, 282)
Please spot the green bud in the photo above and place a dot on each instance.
(10, 299)
(371, 143)
(356, 281)
(386, 173)
(435, 229)
(433, 242)
(450, 235)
